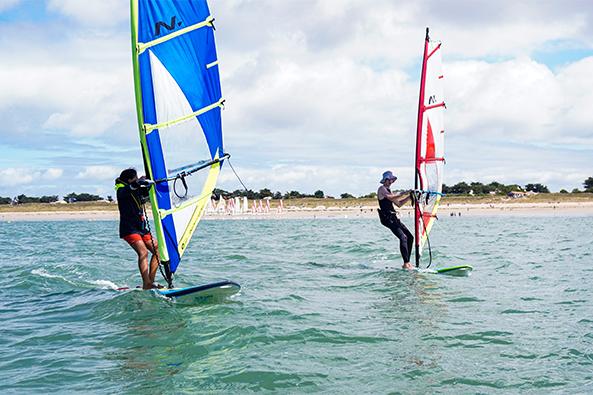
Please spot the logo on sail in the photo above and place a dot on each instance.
(169, 27)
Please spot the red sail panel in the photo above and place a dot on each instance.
(430, 148)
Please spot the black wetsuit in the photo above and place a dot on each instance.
(389, 219)
(130, 199)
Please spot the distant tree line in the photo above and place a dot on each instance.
(22, 199)
(461, 188)
(497, 188)
(494, 188)
(70, 198)
(81, 197)
(588, 184)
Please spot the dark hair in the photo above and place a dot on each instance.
(127, 174)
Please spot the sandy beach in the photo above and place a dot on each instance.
(294, 212)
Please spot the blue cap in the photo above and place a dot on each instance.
(388, 175)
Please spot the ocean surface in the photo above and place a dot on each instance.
(324, 307)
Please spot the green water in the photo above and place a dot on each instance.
(323, 309)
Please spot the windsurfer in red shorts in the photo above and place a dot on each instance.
(132, 193)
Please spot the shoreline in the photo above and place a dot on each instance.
(446, 210)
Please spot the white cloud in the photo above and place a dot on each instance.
(78, 100)
(96, 12)
(22, 176)
(8, 4)
(521, 101)
(52, 174)
(291, 85)
(15, 176)
(519, 97)
(99, 173)
(79, 85)
(577, 82)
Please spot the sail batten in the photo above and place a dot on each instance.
(141, 47)
(179, 101)
(149, 127)
(430, 156)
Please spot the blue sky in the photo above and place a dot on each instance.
(320, 94)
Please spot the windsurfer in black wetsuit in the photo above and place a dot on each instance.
(132, 193)
(388, 217)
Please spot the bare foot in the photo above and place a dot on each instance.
(408, 266)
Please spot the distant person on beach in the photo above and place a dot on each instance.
(132, 193)
(388, 216)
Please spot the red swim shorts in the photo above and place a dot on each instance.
(134, 237)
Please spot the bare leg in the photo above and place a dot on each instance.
(142, 252)
(154, 261)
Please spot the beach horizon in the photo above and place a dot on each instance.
(107, 212)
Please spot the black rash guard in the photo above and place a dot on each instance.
(389, 219)
(130, 199)
(386, 205)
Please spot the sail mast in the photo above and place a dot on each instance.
(418, 181)
(163, 253)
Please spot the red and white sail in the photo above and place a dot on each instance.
(430, 144)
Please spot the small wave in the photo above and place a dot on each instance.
(463, 299)
(315, 264)
(44, 273)
(236, 257)
(517, 311)
(105, 284)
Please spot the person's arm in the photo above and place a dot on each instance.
(144, 184)
(399, 198)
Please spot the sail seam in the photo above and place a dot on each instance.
(150, 127)
(141, 47)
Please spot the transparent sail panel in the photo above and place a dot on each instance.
(184, 145)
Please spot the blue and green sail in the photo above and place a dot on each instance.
(179, 102)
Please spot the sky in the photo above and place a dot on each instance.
(320, 94)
